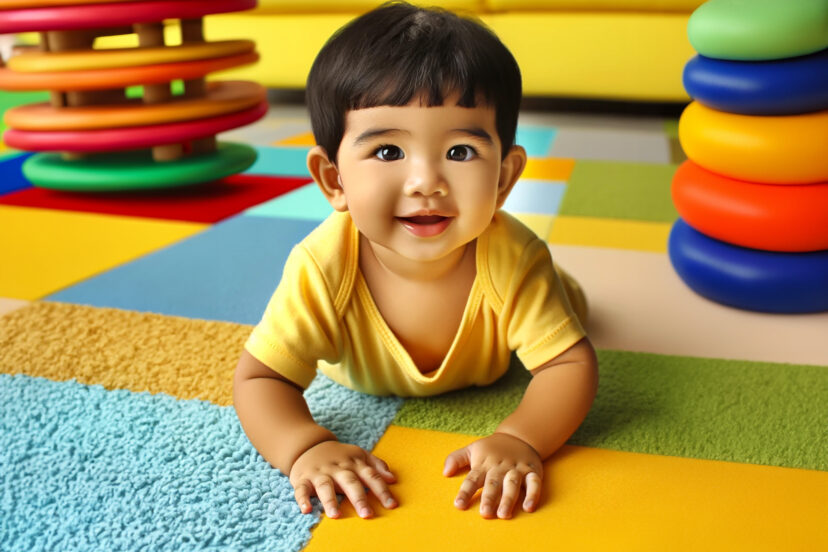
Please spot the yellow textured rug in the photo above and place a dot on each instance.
(189, 359)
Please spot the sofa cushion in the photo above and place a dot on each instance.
(354, 6)
(685, 6)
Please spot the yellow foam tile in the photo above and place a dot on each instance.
(615, 233)
(593, 499)
(45, 250)
(539, 224)
(552, 168)
(304, 139)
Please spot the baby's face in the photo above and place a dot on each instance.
(421, 181)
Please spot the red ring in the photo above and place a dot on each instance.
(760, 216)
(92, 16)
(116, 139)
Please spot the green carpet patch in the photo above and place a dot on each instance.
(633, 191)
(715, 409)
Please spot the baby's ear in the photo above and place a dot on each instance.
(326, 175)
(510, 170)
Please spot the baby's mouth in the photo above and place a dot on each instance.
(425, 226)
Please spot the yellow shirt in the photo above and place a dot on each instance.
(322, 316)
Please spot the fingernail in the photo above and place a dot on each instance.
(528, 505)
(459, 501)
(390, 503)
(365, 512)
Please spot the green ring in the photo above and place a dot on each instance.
(135, 170)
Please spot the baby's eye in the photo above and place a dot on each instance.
(461, 153)
(389, 153)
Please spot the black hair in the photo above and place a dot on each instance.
(398, 52)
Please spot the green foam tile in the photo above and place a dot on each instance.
(715, 409)
(606, 189)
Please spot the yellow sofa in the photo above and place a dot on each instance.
(600, 49)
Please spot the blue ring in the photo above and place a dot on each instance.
(781, 87)
(749, 279)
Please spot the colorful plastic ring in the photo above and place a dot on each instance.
(787, 149)
(44, 62)
(222, 97)
(67, 18)
(795, 85)
(760, 216)
(135, 170)
(749, 279)
(21, 4)
(117, 78)
(770, 29)
(116, 139)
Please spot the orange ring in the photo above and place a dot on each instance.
(44, 62)
(760, 216)
(101, 79)
(222, 97)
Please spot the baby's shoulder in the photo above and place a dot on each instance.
(332, 248)
(507, 247)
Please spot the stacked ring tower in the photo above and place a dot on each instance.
(753, 194)
(91, 136)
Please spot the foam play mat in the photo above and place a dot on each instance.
(122, 316)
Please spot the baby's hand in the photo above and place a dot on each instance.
(500, 464)
(331, 465)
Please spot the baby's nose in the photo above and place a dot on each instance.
(425, 179)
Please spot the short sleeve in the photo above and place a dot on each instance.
(540, 322)
(300, 325)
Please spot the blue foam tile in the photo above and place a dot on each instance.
(541, 197)
(305, 203)
(226, 273)
(85, 468)
(280, 161)
(11, 173)
(537, 140)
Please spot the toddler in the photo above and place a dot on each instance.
(417, 284)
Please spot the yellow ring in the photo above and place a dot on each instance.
(791, 149)
(44, 62)
(222, 98)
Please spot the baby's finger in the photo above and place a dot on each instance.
(382, 468)
(353, 489)
(326, 492)
(511, 490)
(492, 489)
(302, 493)
(375, 481)
(472, 482)
(457, 460)
(533, 491)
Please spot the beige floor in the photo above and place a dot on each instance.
(638, 303)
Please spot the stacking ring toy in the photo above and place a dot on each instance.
(43, 62)
(63, 18)
(748, 278)
(786, 87)
(116, 78)
(135, 170)
(790, 149)
(89, 120)
(115, 139)
(760, 216)
(221, 97)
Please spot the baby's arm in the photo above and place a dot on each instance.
(277, 421)
(554, 405)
